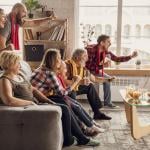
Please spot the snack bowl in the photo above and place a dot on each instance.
(136, 94)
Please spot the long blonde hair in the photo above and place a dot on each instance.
(8, 58)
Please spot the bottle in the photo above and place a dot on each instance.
(86, 76)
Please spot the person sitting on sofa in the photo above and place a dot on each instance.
(63, 77)
(97, 55)
(76, 107)
(50, 81)
(16, 91)
(76, 66)
(45, 79)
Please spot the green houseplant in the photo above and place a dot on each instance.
(32, 5)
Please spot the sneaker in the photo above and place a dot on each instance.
(98, 129)
(96, 124)
(101, 116)
(92, 142)
(111, 105)
(74, 142)
(91, 133)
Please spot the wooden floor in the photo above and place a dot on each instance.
(118, 136)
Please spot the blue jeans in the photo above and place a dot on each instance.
(106, 89)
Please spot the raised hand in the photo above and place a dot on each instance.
(134, 54)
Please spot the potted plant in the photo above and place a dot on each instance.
(117, 64)
(31, 5)
(138, 63)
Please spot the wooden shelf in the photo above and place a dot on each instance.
(53, 43)
(128, 71)
(53, 34)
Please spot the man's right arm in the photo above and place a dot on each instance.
(35, 22)
(119, 58)
(2, 42)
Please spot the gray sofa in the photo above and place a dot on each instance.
(30, 128)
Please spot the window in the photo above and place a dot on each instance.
(7, 5)
(129, 19)
(98, 30)
(98, 16)
(138, 31)
(147, 31)
(108, 29)
(127, 30)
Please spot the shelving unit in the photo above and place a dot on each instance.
(38, 38)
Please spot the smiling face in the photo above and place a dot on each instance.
(2, 18)
(10, 62)
(15, 68)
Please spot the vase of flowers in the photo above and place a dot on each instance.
(117, 65)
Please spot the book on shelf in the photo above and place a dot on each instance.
(57, 30)
(57, 34)
(60, 35)
(28, 34)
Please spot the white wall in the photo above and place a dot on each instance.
(64, 9)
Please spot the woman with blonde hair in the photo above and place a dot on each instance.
(15, 90)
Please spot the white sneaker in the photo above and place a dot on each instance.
(98, 129)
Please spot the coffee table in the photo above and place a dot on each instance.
(137, 130)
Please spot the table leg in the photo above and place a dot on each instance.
(128, 112)
(137, 130)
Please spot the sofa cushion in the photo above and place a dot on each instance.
(30, 128)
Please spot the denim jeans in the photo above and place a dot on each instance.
(106, 89)
(69, 121)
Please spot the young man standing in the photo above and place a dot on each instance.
(96, 62)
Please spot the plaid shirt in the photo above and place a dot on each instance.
(46, 81)
(92, 64)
